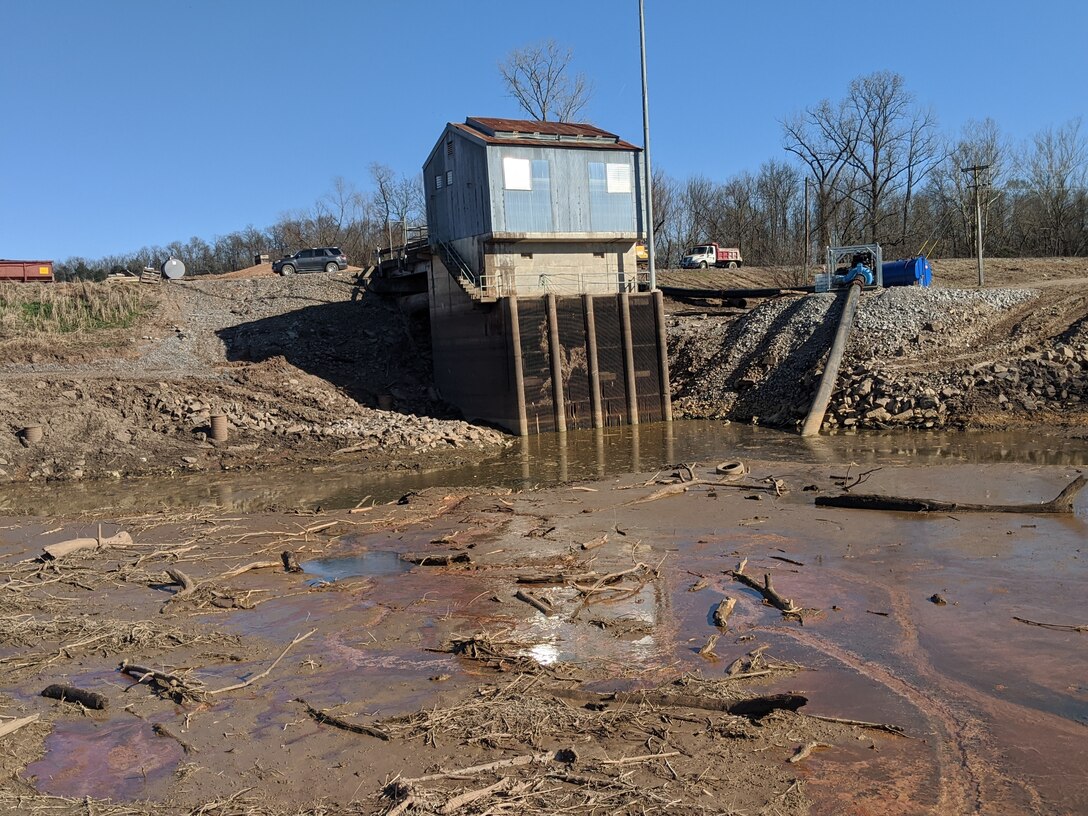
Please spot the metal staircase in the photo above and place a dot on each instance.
(475, 285)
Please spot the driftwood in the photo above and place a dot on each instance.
(298, 639)
(462, 773)
(436, 559)
(754, 707)
(467, 798)
(1060, 627)
(188, 586)
(899, 731)
(17, 723)
(681, 487)
(806, 750)
(542, 606)
(71, 694)
(722, 612)
(63, 548)
(337, 722)
(786, 605)
(234, 573)
(174, 686)
(1062, 503)
(593, 544)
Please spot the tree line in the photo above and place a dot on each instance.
(878, 170)
(359, 223)
(872, 167)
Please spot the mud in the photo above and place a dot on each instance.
(458, 671)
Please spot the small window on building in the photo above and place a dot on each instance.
(438, 181)
(449, 178)
(618, 178)
(449, 147)
(528, 255)
(517, 173)
(598, 254)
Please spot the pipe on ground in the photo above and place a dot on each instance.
(815, 417)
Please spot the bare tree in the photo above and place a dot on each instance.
(1057, 172)
(895, 148)
(538, 76)
(824, 137)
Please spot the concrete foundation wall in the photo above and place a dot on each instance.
(547, 363)
(528, 268)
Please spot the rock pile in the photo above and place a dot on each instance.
(920, 358)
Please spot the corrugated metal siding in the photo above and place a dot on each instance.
(570, 207)
(459, 209)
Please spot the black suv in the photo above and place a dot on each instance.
(321, 259)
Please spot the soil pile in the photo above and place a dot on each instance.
(299, 366)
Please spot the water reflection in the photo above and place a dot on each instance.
(544, 460)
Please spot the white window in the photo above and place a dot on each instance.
(618, 178)
(517, 173)
(438, 182)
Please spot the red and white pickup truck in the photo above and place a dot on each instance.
(704, 255)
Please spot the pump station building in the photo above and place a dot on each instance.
(537, 322)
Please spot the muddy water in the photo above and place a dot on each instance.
(541, 461)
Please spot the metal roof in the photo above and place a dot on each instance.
(553, 134)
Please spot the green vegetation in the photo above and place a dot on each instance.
(68, 308)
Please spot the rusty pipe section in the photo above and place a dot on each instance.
(815, 417)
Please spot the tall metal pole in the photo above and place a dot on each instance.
(974, 171)
(651, 265)
(808, 235)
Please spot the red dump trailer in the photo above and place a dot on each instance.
(26, 271)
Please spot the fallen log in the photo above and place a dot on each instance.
(785, 605)
(63, 548)
(753, 707)
(436, 559)
(722, 612)
(71, 694)
(541, 605)
(1062, 503)
(344, 725)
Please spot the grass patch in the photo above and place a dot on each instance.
(65, 308)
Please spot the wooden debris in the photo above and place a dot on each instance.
(462, 773)
(642, 758)
(14, 725)
(71, 694)
(436, 559)
(707, 649)
(63, 548)
(1062, 503)
(542, 605)
(467, 798)
(723, 611)
(593, 544)
(247, 567)
(753, 707)
(890, 729)
(758, 707)
(344, 725)
(1060, 627)
(298, 639)
(806, 750)
(785, 605)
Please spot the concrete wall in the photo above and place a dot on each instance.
(531, 268)
(597, 363)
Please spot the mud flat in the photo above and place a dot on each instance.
(587, 648)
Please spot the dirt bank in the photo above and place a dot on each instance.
(453, 653)
(298, 365)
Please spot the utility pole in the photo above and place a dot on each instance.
(974, 171)
(808, 235)
(649, 191)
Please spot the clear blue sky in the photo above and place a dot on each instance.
(135, 122)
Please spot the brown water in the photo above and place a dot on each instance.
(544, 460)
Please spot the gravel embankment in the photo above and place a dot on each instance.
(916, 357)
